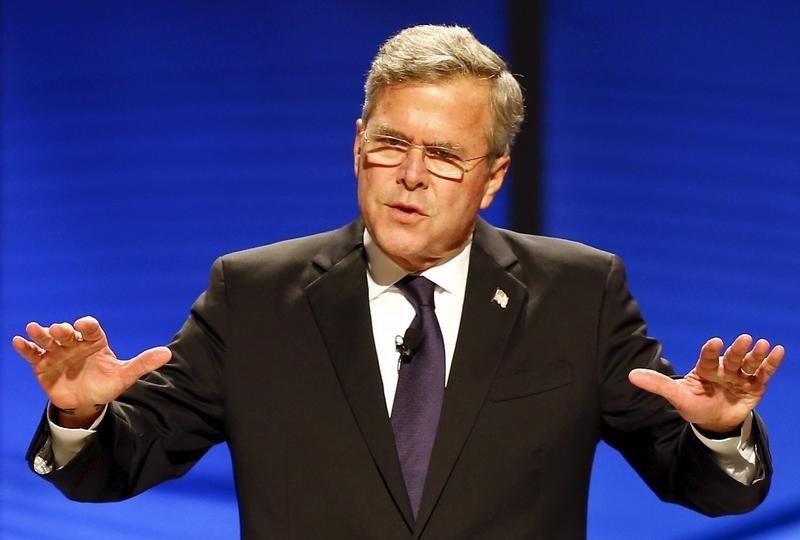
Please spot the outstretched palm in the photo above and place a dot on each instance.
(719, 393)
(75, 366)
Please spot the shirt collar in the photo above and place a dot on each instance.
(383, 272)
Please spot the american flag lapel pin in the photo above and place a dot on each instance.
(500, 298)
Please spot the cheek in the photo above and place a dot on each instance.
(462, 202)
(366, 184)
(369, 192)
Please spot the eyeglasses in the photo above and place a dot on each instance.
(443, 162)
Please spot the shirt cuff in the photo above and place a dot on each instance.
(737, 456)
(67, 442)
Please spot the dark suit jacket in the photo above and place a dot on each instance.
(277, 359)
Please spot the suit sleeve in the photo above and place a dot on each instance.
(648, 432)
(159, 428)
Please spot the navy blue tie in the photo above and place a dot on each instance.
(420, 390)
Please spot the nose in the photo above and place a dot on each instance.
(413, 173)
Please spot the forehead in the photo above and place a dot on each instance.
(449, 110)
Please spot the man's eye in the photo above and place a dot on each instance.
(437, 152)
(391, 141)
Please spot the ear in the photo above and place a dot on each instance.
(357, 146)
(495, 181)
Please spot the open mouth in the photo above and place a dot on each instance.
(406, 213)
(409, 209)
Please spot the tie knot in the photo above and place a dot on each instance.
(418, 289)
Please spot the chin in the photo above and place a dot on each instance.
(400, 250)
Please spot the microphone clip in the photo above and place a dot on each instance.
(401, 347)
(407, 345)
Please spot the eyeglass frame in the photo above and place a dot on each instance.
(425, 154)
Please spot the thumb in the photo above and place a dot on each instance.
(147, 361)
(655, 382)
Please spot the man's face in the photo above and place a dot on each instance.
(417, 218)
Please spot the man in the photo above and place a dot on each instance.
(417, 373)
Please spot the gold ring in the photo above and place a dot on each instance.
(746, 374)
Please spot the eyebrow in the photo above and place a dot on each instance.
(383, 129)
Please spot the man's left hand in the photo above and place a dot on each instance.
(721, 391)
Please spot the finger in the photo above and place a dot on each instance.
(708, 363)
(90, 329)
(655, 382)
(41, 336)
(753, 359)
(145, 362)
(732, 359)
(64, 334)
(770, 364)
(28, 350)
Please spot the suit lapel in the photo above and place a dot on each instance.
(340, 305)
(482, 338)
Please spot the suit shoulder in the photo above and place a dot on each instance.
(279, 253)
(549, 251)
(290, 260)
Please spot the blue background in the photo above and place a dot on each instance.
(141, 140)
(673, 139)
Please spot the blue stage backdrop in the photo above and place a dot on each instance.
(673, 139)
(141, 140)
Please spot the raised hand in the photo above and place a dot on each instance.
(721, 390)
(77, 369)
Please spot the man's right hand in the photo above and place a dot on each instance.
(77, 369)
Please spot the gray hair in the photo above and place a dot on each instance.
(431, 53)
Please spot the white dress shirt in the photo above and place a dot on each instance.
(392, 313)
